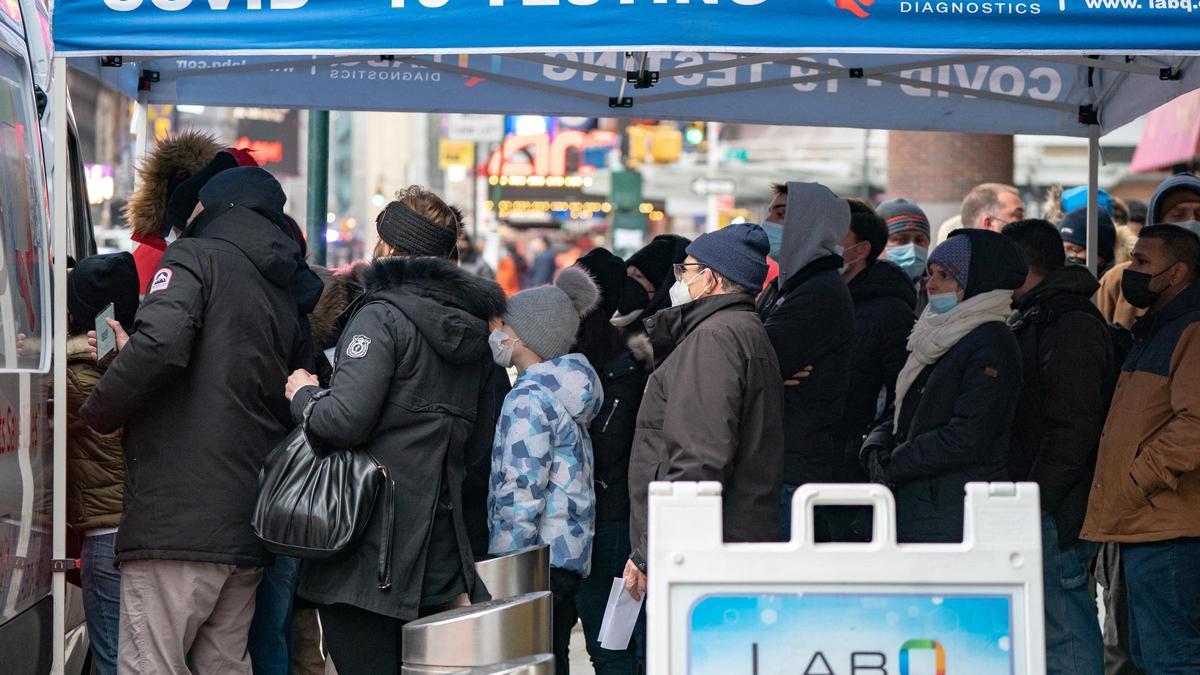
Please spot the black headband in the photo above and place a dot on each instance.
(414, 234)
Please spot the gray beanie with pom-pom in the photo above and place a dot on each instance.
(547, 318)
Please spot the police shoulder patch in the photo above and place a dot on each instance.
(161, 281)
(358, 346)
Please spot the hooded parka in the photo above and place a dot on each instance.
(712, 411)
(809, 317)
(954, 421)
(412, 369)
(199, 388)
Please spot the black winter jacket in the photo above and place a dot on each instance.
(200, 390)
(1070, 371)
(624, 381)
(884, 303)
(412, 368)
(954, 429)
(810, 322)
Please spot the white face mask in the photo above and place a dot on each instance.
(501, 353)
(681, 294)
(620, 320)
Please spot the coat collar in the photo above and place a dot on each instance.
(669, 327)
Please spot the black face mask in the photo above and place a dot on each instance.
(1135, 286)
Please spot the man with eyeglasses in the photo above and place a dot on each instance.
(991, 206)
(713, 408)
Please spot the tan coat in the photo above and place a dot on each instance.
(95, 461)
(1147, 483)
(1110, 301)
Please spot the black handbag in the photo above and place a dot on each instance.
(313, 504)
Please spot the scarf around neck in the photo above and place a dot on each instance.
(936, 334)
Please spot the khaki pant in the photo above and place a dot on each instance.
(182, 617)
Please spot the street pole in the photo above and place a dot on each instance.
(318, 183)
(713, 134)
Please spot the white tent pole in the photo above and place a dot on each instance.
(61, 175)
(141, 127)
(1093, 202)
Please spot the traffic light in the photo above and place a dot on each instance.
(666, 143)
(695, 133)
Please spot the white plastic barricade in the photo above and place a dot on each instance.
(877, 608)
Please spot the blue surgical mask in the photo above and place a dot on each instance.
(775, 236)
(910, 258)
(943, 303)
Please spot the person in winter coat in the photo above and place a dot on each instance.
(908, 243)
(410, 372)
(1146, 492)
(542, 466)
(884, 299)
(543, 263)
(809, 317)
(651, 268)
(1176, 201)
(1069, 372)
(957, 393)
(623, 371)
(470, 259)
(713, 409)
(199, 390)
(95, 461)
(168, 188)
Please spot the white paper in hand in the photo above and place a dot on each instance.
(620, 617)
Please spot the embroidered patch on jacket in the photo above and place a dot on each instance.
(161, 281)
(991, 372)
(359, 344)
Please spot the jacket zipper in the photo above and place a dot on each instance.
(616, 403)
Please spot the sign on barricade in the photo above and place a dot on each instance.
(877, 608)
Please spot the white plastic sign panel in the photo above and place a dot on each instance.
(877, 608)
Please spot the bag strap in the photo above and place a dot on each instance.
(384, 572)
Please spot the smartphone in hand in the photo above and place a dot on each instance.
(106, 337)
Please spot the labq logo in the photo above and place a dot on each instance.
(856, 7)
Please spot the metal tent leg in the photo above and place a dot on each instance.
(59, 240)
(1093, 203)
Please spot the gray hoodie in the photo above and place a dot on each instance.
(816, 221)
(1183, 181)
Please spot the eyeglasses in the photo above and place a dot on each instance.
(681, 269)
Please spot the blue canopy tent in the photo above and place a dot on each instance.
(1067, 67)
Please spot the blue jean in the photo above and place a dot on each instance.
(1163, 582)
(1074, 645)
(101, 599)
(270, 643)
(610, 552)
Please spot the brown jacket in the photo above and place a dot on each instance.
(1110, 301)
(1147, 484)
(95, 461)
(712, 411)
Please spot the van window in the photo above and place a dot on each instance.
(24, 333)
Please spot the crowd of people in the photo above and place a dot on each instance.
(835, 342)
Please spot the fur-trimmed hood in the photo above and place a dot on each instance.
(451, 308)
(174, 160)
(343, 286)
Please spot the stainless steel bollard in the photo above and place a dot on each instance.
(518, 573)
(542, 664)
(468, 637)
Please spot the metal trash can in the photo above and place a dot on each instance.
(479, 635)
(518, 573)
(542, 664)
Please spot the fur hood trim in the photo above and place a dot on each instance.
(643, 352)
(343, 286)
(175, 158)
(440, 280)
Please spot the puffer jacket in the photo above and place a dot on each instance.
(542, 465)
(412, 368)
(95, 461)
(1147, 484)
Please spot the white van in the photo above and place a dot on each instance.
(26, 382)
